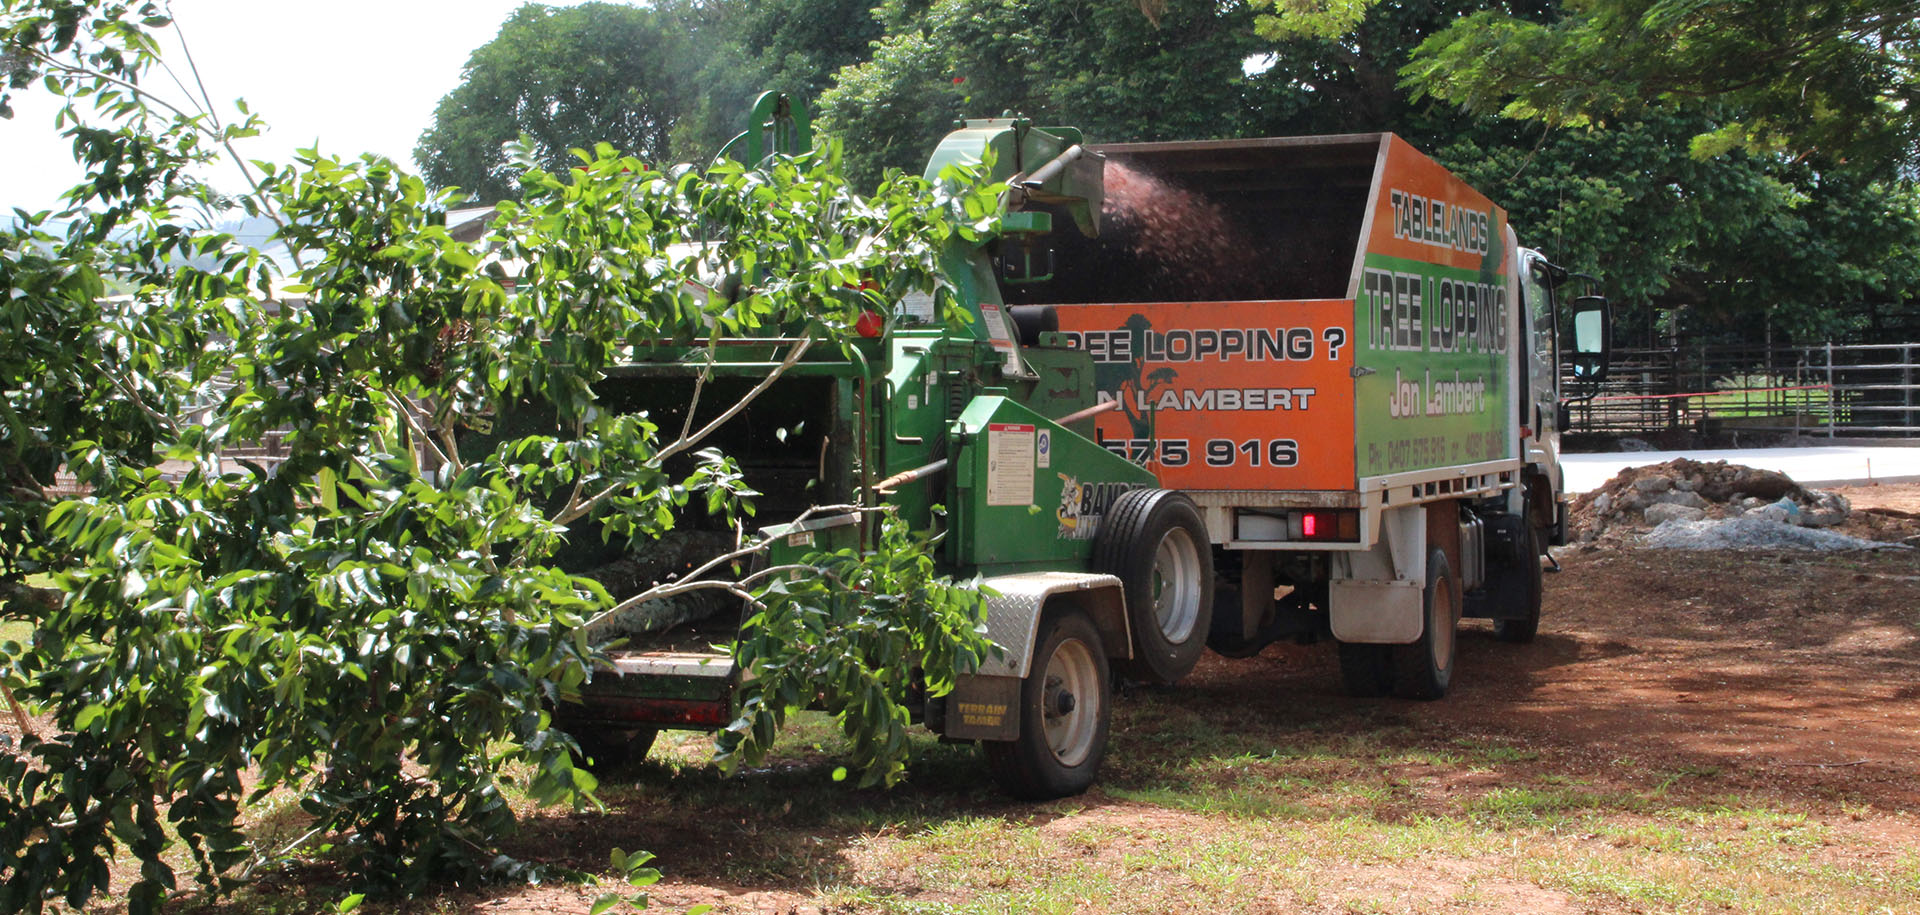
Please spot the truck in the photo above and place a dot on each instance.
(1211, 395)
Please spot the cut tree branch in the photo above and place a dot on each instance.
(581, 509)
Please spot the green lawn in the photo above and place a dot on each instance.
(1256, 786)
(1742, 404)
(15, 630)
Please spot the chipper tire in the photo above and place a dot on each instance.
(1156, 543)
(1066, 706)
(612, 749)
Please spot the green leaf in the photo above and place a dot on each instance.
(88, 716)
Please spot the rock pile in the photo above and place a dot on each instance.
(1685, 491)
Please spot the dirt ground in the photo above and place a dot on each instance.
(1787, 668)
(1787, 676)
(1793, 678)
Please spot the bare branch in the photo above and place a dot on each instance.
(192, 120)
(410, 413)
(793, 357)
(574, 512)
(699, 384)
(164, 422)
(20, 717)
(687, 582)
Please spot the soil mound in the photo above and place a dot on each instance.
(1689, 502)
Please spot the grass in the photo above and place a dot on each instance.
(1748, 396)
(17, 630)
(1381, 818)
(1214, 808)
(1368, 814)
(1212, 805)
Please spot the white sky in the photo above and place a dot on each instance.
(355, 75)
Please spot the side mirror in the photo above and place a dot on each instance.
(1592, 341)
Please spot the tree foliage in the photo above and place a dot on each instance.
(746, 47)
(565, 78)
(373, 626)
(668, 80)
(1742, 244)
(1839, 78)
(1794, 216)
(1100, 67)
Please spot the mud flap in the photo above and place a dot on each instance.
(1374, 597)
(983, 708)
(1375, 612)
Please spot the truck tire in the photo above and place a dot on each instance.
(1367, 670)
(606, 749)
(1526, 624)
(1065, 710)
(1156, 543)
(1424, 669)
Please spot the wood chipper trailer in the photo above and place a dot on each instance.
(918, 415)
(1360, 435)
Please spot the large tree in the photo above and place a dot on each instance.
(1101, 67)
(1740, 244)
(564, 78)
(752, 46)
(378, 626)
(1746, 235)
(1837, 78)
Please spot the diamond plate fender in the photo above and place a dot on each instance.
(1013, 615)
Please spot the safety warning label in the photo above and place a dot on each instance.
(1010, 464)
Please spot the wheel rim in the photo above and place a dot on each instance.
(1444, 625)
(1176, 585)
(1070, 705)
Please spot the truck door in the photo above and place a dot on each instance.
(1541, 369)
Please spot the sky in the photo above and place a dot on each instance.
(354, 75)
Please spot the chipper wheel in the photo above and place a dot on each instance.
(606, 749)
(1065, 707)
(1156, 543)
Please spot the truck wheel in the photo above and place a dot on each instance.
(1423, 669)
(605, 749)
(1523, 628)
(1065, 707)
(1367, 670)
(1156, 543)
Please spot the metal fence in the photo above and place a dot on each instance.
(1828, 389)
